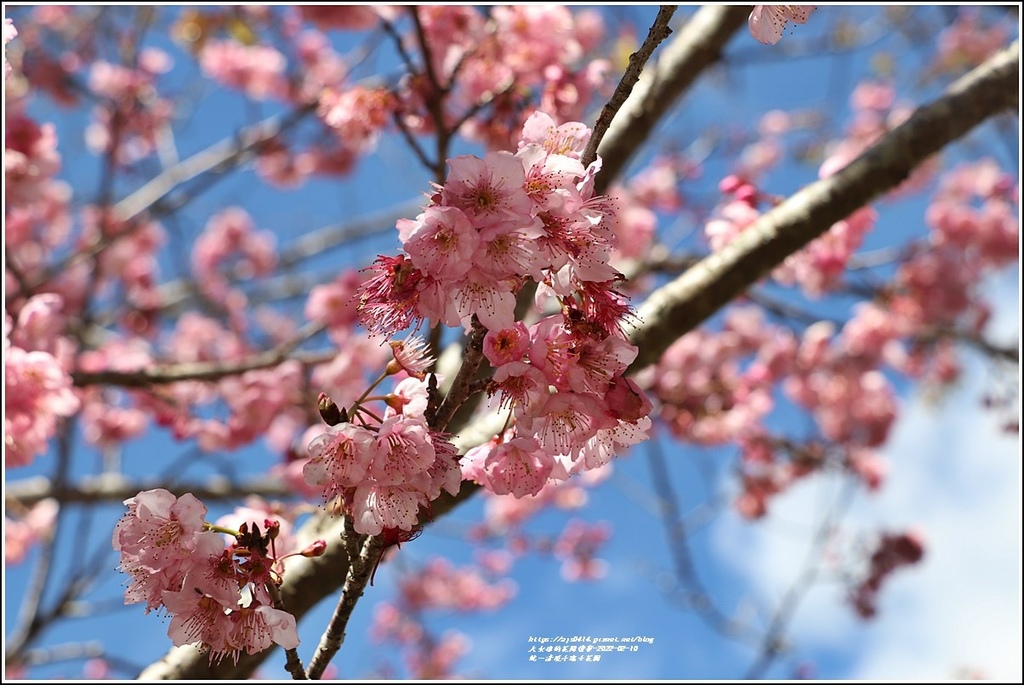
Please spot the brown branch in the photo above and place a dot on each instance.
(207, 371)
(359, 572)
(459, 390)
(697, 46)
(113, 487)
(683, 304)
(658, 32)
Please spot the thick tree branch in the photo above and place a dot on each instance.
(683, 304)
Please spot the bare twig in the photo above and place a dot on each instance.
(31, 619)
(205, 371)
(355, 582)
(698, 45)
(148, 198)
(668, 504)
(658, 32)
(773, 643)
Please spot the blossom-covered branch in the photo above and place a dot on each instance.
(680, 306)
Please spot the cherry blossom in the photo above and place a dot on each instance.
(767, 22)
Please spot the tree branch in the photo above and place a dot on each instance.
(658, 32)
(359, 571)
(683, 304)
(206, 371)
(149, 197)
(114, 487)
(698, 45)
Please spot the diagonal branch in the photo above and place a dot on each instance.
(153, 196)
(659, 31)
(683, 304)
(207, 371)
(699, 45)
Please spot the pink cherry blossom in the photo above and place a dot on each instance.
(767, 22)
(334, 303)
(37, 392)
(441, 241)
(256, 69)
(439, 585)
(376, 507)
(411, 356)
(340, 458)
(578, 546)
(9, 33)
(388, 299)
(568, 139)
(357, 115)
(518, 467)
(159, 527)
(506, 345)
(488, 190)
(403, 451)
(22, 532)
(566, 421)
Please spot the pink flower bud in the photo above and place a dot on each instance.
(314, 549)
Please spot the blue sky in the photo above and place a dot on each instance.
(953, 474)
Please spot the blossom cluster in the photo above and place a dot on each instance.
(893, 551)
(217, 594)
(497, 224)
(385, 468)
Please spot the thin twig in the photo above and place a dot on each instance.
(355, 583)
(293, 664)
(30, 619)
(148, 198)
(697, 45)
(658, 32)
(204, 371)
(773, 643)
(460, 387)
(678, 542)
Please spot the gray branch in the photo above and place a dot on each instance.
(683, 304)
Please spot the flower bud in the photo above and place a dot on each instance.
(314, 549)
(329, 411)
